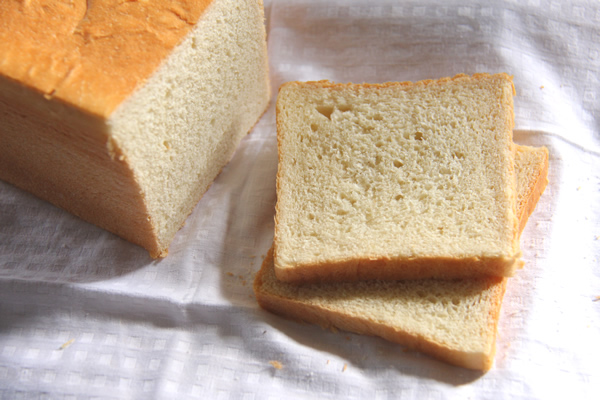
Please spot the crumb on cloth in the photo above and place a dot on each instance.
(66, 344)
(276, 364)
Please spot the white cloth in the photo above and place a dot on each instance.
(84, 314)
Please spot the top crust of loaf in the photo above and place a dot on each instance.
(334, 222)
(326, 84)
(93, 57)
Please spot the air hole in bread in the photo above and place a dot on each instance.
(344, 196)
(378, 117)
(418, 135)
(398, 163)
(167, 144)
(344, 107)
(398, 197)
(325, 110)
(314, 127)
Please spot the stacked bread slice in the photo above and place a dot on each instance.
(399, 211)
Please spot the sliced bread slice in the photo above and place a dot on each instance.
(396, 181)
(452, 320)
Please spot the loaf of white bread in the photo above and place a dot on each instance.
(123, 113)
(396, 181)
(452, 320)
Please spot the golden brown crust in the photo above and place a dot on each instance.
(367, 268)
(425, 82)
(93, 57)
(44, 153)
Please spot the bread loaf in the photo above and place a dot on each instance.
(396, 181)
(452, 320)
(123, 113)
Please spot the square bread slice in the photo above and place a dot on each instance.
(396, 181)
(124, 112)
(452, 320)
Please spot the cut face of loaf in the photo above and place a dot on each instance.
(453, 320)
(123, 113)
(396, 181)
